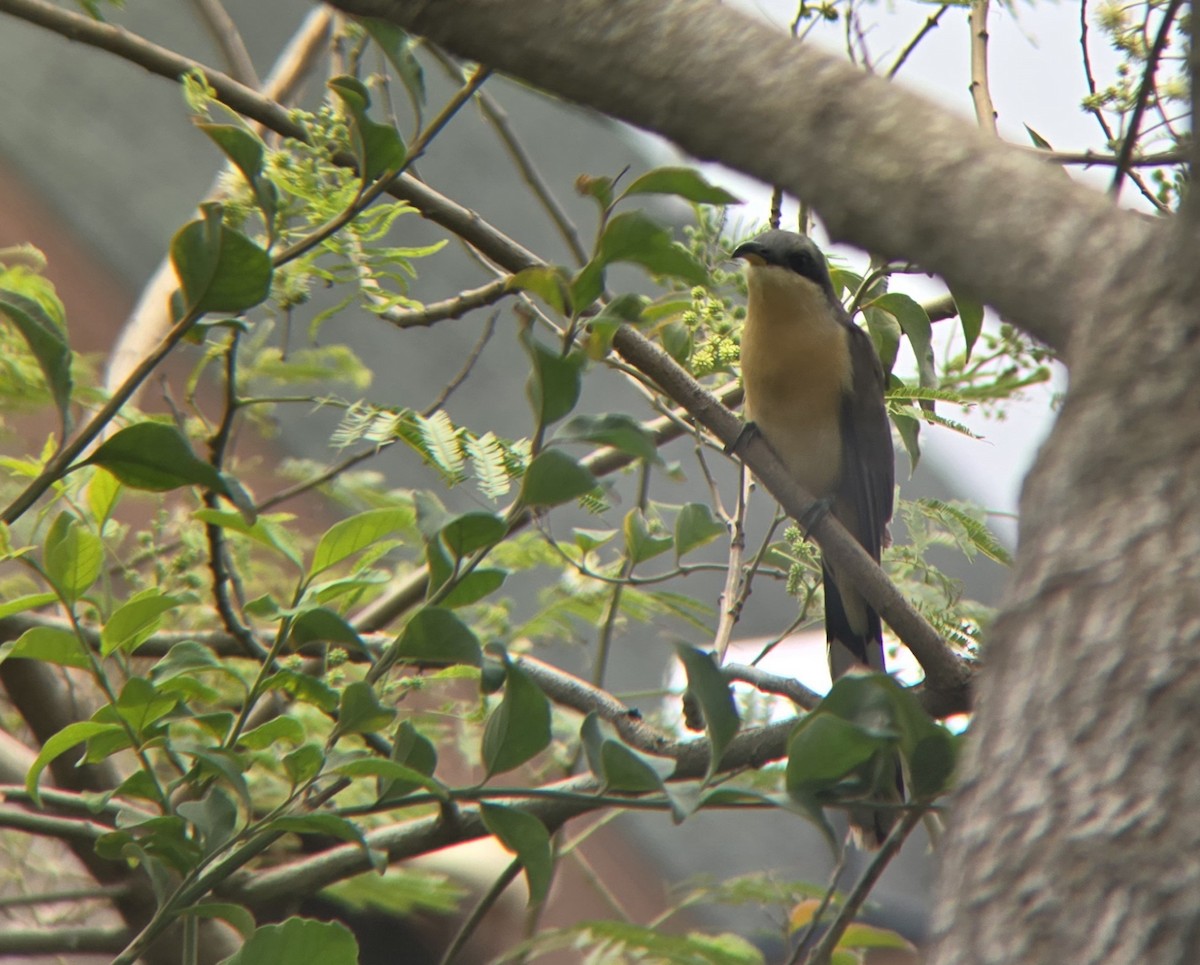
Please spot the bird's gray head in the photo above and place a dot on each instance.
(790, 251)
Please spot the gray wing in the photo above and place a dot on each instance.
(863, 504)
(867, 486)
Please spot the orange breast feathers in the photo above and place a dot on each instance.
(796, 370)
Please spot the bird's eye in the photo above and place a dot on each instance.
(800, 263)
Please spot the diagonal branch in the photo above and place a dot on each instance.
(717, 82)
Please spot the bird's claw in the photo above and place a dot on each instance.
(814, 514)
(749, 431)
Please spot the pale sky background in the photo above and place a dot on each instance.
(1037, 78)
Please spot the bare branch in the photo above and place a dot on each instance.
(854, 901)
(228, 39)
(930, 23)
(498, 118)
(981, 95)
(63, 941)
(454, 307)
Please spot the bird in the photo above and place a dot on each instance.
(814, 390)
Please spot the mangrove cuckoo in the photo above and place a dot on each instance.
(814, 391)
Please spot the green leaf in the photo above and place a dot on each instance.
(621, 432)
(324, 626)
(686, 183)
(711, 691)
(270, 531)
(519, 728)
(391, 774)
(155, 457)
(632, 237)
(469, 532)
(241, 145)
(885, 335)
(549, 282)
(695, 527)
(554, 478)
(219, 269)
(304, 763)
(48, 343)
(141, 705)
(378, 148)
(72, 556)
(298, 941)
(619, 767)
(824, 749)
(592, 539)
(135, 620)
(479, 583)
(48, 644)
(909, 429)
(397, 47)
(970, 315)
(215, 817)
(303, 687)
(525, 836)
(1038, 140)
(359, 710)
(554, 381)
(858, 935)
(914, 322)
(353, 535)
(435, 635)
(399, 892)
(103, 493)
(415, 751)
(60, 743)
(31, 601)
(640, 543)
(272, 732)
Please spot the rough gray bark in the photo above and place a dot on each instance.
(1075, 836)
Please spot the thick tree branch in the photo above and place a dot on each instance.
(718, 83)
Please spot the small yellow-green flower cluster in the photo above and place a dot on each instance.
(709, 318)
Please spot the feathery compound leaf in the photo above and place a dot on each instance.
(970, 530)
(440, 444)
(488, 464)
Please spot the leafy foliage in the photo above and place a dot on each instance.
(272, 683)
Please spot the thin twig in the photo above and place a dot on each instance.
(930, 23)
(454, 307)
(729, 609)
(604, 641)
(769, 683)
(150, 315)
(495, 115)
(981, 95)
(66, 455)
(854, 900)
(450, 387)
(1143, 96)
(228, 38)
(218, 558)
(830, 890)
(1090, 158)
